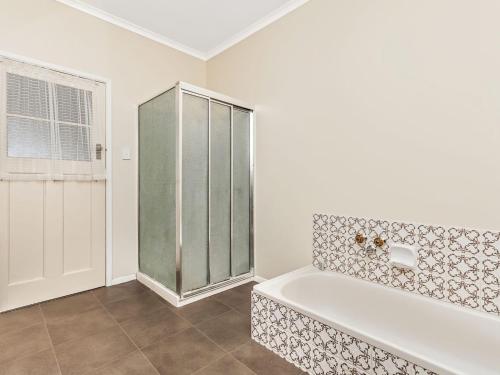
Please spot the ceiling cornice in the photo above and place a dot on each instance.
(120, 22)
(117, 21)
(256, 26)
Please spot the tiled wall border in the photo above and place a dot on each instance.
(319, 349)
(456, 265)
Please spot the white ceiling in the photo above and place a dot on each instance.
(202, 28)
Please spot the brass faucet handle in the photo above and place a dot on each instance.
(378, 241)
(360, 239)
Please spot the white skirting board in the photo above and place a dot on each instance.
(174, 299)
(159, 289)
(123, 279)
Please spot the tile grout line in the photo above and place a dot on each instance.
(99, 306)
(23, 356)
(126, 334)
(218, 316)
(208, 320)
(237, 360)
(240, 362)
(175, 311)
(219, 358)
(212, 341)
(169, 307)
(226, 352)
(249, 342)
(42, 322)
(193, 326)
(50, 338)
(209, 364)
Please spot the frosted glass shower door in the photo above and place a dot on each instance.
(195, 190)
(240, 257)
(195, 115)
(220, 192)
(157, 188)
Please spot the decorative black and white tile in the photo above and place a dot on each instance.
(384, 363)
(259, 318)
(460, 266)
(319, 349)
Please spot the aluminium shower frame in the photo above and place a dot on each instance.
(181, 88)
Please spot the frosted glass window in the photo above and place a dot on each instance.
(220, 192)
(28, 138)
(74, 116)
(29, 128)
(74, 105)
(75, 142)
(241, 192)
(47, 121)
(27, 96)
(194, 192)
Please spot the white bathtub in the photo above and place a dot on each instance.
(436, 335)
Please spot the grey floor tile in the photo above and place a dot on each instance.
(229, 330)
(92, 352)
(20, 318)
(70, 306)
(121, 291)
(236, 299)
(183, 353)
(204, 309)
(132, 364)
(87, 340)
(41, 363)
(133, 307)
(79, 325)
(263, 361)
(227, 365)
(22, 342)
(148, 328)
(245, 288)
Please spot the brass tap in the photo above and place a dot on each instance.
(360, 239)
(379, 242)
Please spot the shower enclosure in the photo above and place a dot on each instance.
(195, 192)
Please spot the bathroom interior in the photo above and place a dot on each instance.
(256, 187)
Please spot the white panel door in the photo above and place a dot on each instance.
(52, 239)
(52, 187)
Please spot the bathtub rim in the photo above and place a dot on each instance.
(268, 290)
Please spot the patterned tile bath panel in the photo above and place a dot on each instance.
(460, 266)
(319, 349)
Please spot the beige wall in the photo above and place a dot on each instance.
(371, 108)
(386, 109)
(138, 68)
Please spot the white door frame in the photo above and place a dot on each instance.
(109, 153)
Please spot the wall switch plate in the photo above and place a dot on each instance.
(125, 153)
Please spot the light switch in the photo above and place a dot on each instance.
(125, 153)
